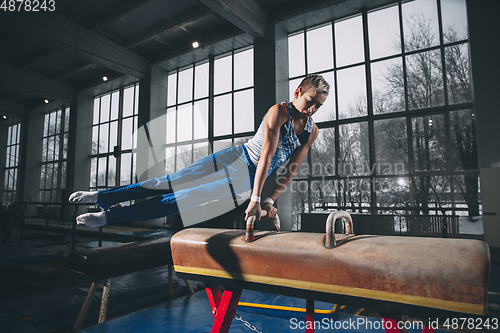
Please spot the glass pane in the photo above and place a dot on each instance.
(222, 144)
(65, 147)
(327, 110)
(323, 153)
(49, 175)
(128, 101)
(93, 172)
(223, 118)
(11, 139)
(323, 194)
(113, 135)
(463, 140)
(466, 189)
(134, 128)
(183, 157)
(16, 158)
(223, 74)
(58, 122)
(103, 138)
(57, 145)
(319, 49)
(115, 102)
(112, 171)
(63, 175)
(171, 125)
(431, 194)
(200, 150)
(52, 124)
(293, 84)
(172, 89)
(136, 99)
(425, 80)
(66, 119)
(388, 86)
(185, 123)
(300, 202)
(354, 194)
(393, 192)
(201, 81)
(429, 144)
(15, 132)
(420, 24)
(391, 147)
(101, 175)
(201, 119)
(105, 105)
(243, 69)
(383, 32)
(95, 140)
(243, 111)
(242, 140)
(354, 158)
(185, 85)
(96, 114)
(50, 151)
(43, 175)
(351, 85)
(296, 55)
(44, 153)
(127, 130)
(349, 45)
(169, 160)
(454, 15)
(458, 74)
(134, 168)
(125, 168)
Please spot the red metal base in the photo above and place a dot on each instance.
(309, 316)
(223, 306)
(391, 326)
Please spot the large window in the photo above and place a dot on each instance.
(190, 104)
(12, 164)
(54, 155)
(397, 132)
(115, 121)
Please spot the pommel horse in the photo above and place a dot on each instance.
(423, 277)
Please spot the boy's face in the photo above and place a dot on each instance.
(308, 102)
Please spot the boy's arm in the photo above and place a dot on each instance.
(287, 175)
(274, 119)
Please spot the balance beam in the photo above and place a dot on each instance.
(424, 277)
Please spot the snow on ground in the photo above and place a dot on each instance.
(474, 227)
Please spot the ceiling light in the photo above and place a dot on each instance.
(46, 101)
(196, 45)
(4, 117)
(105, 78)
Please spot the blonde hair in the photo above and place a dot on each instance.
(316, 83)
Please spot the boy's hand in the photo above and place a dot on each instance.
(253, 209)
(270, 209)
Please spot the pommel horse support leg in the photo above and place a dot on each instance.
(417, 276)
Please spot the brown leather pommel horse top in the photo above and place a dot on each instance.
(412, 275)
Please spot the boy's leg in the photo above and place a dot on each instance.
(144, 189)
(196, 205)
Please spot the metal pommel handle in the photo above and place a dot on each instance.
(249, 235)
(330, 241)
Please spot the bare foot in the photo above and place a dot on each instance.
(83, 197)
(92, 220)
